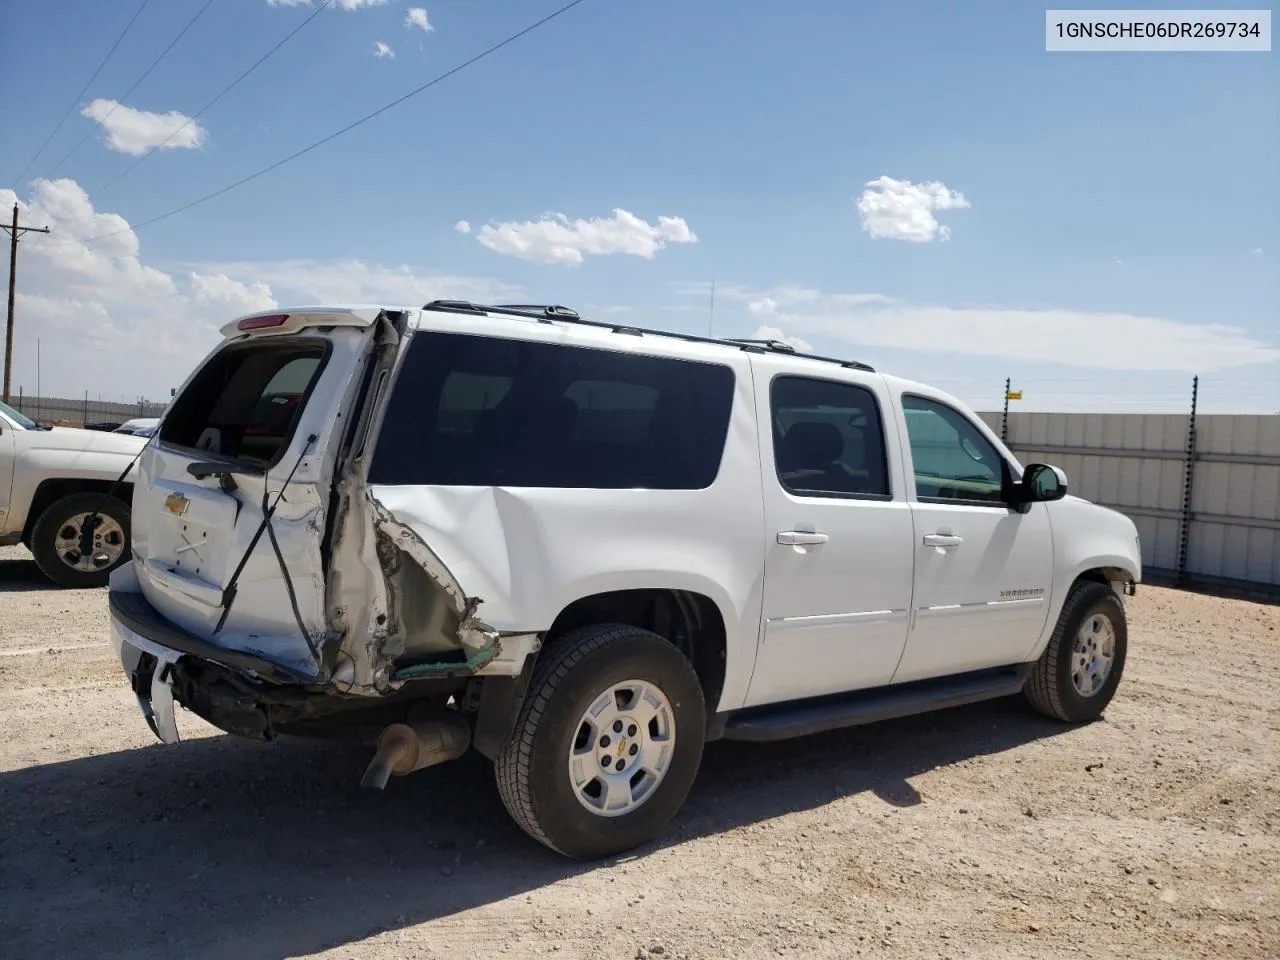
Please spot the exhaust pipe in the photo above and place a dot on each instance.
(405, 747)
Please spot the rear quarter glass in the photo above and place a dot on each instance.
(470, 410)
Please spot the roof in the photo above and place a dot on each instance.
(365, 314)
(559, 314)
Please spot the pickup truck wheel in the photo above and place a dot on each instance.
(58, 545)
(1077, 675)
(607, 744)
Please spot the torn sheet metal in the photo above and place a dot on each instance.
(367, 660)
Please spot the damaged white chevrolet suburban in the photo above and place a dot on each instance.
(587, 549)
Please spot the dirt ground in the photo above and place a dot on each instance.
(979, 832)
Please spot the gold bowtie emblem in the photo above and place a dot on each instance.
(176, 503)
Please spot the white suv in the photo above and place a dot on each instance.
(586, 549)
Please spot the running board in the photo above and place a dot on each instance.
(798, 718)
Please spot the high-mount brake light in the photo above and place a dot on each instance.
(261, 323)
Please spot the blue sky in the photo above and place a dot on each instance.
(1111, 215)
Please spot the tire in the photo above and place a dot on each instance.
(534, 768)
(58, 520)
(1052, 687)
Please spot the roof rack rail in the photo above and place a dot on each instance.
(538, 309)
(778, 345)
(457, 306)
(551, 313)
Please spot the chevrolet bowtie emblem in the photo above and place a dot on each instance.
(176, 504)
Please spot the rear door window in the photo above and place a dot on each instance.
(244, 403)
(827, 439)
(483, 411)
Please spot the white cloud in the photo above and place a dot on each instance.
(288, 3)
(137, 131)
(554, 238)
(356, 281)
(111, 323)
(1099, 340)
(773, 333)
(416, 18)
(231, 297)
(381, 50)
(902, 210)
(462, 226)
(1256, 251)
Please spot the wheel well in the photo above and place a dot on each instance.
(689, 620)
(1107, 576)
(52, 491)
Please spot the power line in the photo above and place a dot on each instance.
(337, 133)
(110, 53)
(120, 101)
(221, 93)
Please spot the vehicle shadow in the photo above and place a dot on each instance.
(228, 848)
(21, 573)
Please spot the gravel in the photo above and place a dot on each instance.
(982, 832)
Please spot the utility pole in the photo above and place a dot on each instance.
(15, 232)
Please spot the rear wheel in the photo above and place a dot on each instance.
(607, 744)
(1077, 675)
(74, 552)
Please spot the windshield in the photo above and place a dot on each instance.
(25, 422)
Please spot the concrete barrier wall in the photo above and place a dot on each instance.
(1138, 463)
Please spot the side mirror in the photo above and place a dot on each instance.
(1041, 483)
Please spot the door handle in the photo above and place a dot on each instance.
(942, 540)
(796, 538)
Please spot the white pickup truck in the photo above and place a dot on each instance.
(586, 549)
(56, 497)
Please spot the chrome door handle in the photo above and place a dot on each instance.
(796, 538)
(942, 540)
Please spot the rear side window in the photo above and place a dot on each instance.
(827, 439)
(244, 403)
(482, 411)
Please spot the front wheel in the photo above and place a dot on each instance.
(79, 539)
(607, 744)
(1077, 675)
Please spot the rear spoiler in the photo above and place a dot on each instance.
(280, 321)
